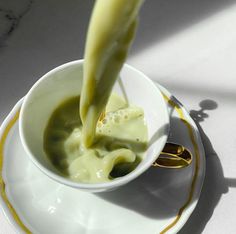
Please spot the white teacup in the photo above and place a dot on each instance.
(65, 81)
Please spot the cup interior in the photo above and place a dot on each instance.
(66, 81)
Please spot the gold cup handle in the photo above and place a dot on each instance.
(174, 156)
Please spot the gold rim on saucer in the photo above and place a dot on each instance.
(168, 159)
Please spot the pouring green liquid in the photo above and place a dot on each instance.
(79, 145)
(111, 31)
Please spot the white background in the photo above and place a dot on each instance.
(188, 46)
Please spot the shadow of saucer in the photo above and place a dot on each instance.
(158, 193)
(155, 194)
(215, 183)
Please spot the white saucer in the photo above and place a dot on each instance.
(159, 201)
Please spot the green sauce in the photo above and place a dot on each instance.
(88, 150)
(121, 139)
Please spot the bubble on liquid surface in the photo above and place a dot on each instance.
(116, 119)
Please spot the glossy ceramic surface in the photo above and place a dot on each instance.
(159, 201)
(65, 81)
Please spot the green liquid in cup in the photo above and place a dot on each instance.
(120, 141)
(77, 143)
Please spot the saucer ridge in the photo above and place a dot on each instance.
(58, 203)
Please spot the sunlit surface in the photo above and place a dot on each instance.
(187, 46)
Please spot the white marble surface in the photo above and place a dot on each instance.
(188, 46)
